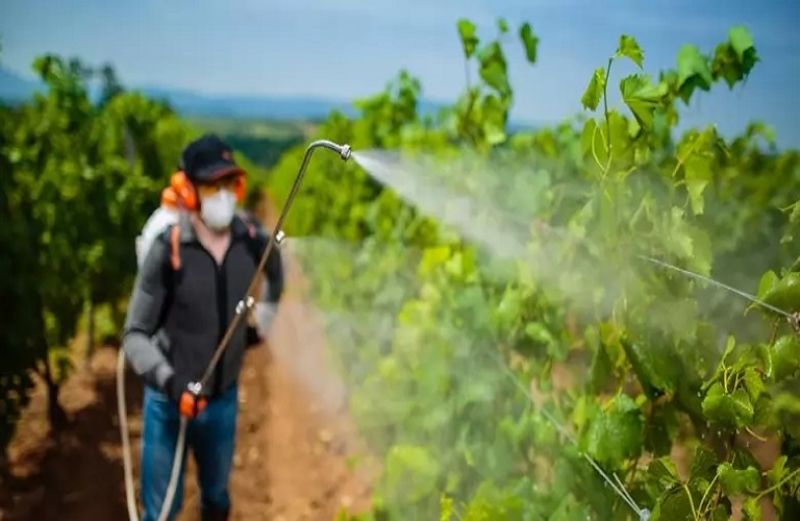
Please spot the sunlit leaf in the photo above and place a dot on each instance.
(693, 71)
(593, 92)
(735, 482)
(469, 40)
(733, 410)
(642, 97)
(629, 47)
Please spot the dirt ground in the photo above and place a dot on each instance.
(295, 451)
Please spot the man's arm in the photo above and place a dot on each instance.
(265, 311)
(144, 315)
(274, 272)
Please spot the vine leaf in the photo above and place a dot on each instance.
(736, 482)
(469, 41)
(629, 47)
(529, 41)
(693, 71)
(642, 97)
(591, 97)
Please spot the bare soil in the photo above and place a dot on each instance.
(295, 444)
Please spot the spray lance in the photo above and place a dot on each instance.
(194, 391)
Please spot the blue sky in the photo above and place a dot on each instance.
(347, 48)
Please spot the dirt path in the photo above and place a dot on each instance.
(293, 446)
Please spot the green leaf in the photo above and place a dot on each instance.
(642, 97)
(778, 471)
(601, 372)
(537, 332)
(629, 47)
(657, 366)
(433, 258)
(663, 469)
(736, 482)
(721, 513)
(493, 68)
(491, 503)
(502, 25)
(730, 410)
(529, 41)
(753, 383)
(767, 282)
(704, 464)
(786, 356)
(507, 313)
(469, 40)
(728, 65)
(410, 472)
(697, 170)
(569, 509)
(730, 345)
(693, 71)
(494, 112)
(446, 508)
(751, 509)
(785, 294)
(765, 412)
(675, 505)
(618, 434)
(741, 40)
(591, 97)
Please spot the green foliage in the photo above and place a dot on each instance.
(626, 357)
(617, 434)
(734, 59)
(493, 68)
(733, 410)
(785, 356)
(410, 474)
(469, 41)
(736, 482)
(470, 374)
(784, 293)
(79, 181)
(630, 365)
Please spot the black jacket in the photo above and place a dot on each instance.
(176, 318)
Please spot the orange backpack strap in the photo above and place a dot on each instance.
(175, 247)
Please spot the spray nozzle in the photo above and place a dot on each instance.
(344, 151)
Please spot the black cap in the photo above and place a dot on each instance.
(207, 159)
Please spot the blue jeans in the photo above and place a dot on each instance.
(210, 436)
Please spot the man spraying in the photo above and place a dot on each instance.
(190, 280)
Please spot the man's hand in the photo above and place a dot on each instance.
(261, 317)
(190, 401)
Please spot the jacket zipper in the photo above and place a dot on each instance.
(221, 290)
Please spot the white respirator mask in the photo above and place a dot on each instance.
(217, 210)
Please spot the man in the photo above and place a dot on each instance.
(188, 287)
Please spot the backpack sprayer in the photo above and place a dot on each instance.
(195, 389)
